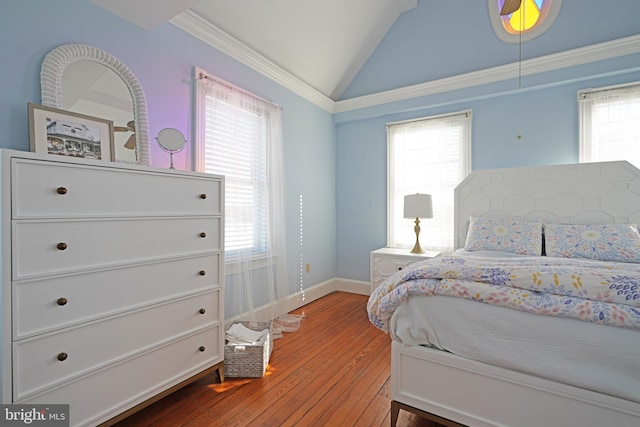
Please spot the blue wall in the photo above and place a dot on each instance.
(163, 59)
(545, 118)
(422, 46)
(337, 163)
(441, 38)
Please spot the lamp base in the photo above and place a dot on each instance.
(416, 248)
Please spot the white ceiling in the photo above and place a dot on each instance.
(321, 43)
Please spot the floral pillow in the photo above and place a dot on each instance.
(504, 235)
(604, 242)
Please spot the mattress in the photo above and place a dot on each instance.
(596, 357)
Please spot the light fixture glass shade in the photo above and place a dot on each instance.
(418, 206)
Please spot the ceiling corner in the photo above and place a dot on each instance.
(146, 14)
(404, 5)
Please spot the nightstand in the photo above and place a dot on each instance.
(386, 261)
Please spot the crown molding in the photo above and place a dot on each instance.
(198, 27)
(597, 52)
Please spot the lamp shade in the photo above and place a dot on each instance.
(418, 206)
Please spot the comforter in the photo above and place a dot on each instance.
(602, 292)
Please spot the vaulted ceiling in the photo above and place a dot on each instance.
(323, 44)
(345, 55)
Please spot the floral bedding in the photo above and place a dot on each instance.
(601, 292)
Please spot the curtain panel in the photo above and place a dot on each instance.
(239, 135)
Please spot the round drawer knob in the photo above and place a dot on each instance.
(202, 272)
(62, 301)
(61, 190)
(61, 246)
(203, 234)
(202, 311)
(62, 357)
(201, 348)
(203, 196)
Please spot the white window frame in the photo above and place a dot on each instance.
(400, 230)
(259, 250)
(594, 107)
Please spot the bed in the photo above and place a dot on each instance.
(497, 334)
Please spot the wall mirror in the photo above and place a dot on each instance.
(88, 80)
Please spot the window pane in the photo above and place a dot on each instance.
(235, 146)
(427, 156)
(610, 129)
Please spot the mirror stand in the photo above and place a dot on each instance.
(171, 140)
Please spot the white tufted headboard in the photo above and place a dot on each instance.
(581, 193)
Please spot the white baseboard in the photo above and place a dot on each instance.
(304, 297)
(353, 286)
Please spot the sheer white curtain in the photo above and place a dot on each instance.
(239, 135)
(610, 124)
(430, 155)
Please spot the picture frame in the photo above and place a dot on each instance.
(66, 133)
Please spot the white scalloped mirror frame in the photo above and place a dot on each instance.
(56, 62)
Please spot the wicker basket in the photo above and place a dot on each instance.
(248, 361)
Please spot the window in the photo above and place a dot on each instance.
(239, 135)
(430, 155)
(525, 18)
(533, 18)
(235, 133)
(610, 124)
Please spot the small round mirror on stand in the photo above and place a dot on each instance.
(171, 140)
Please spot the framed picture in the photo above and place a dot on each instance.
(70, 134)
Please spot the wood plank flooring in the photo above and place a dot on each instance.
(333, 371)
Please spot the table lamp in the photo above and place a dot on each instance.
(417, 206)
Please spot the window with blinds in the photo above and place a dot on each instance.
(234, 147)
(232, 139)
(239, 135)
(610, 124)
(431, 156)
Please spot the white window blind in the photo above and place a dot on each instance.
(610, 124)
(431, 156)
(234, 148)
(234, 135)
(239, 135)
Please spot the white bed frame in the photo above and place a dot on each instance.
(452, 390)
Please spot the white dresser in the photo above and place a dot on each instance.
(386, 261)
(111, 282)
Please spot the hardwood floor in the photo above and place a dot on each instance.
(334, 371)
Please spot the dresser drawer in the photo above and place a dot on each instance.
(91, 191)
(95, 345)
(91, 244)
(100, 396)
(51, 304)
